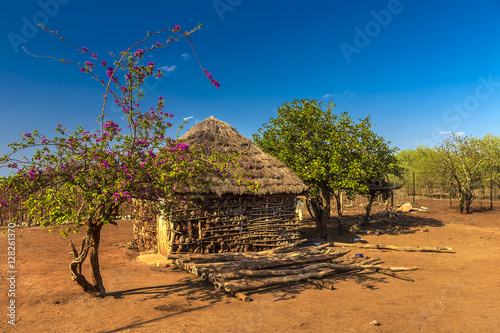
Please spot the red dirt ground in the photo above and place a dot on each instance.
(451, 293)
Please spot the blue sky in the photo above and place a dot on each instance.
(419, 68)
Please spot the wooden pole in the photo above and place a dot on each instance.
(395, 248)
(392, 204)
(451, 189)
(491, 189)
(413, 188)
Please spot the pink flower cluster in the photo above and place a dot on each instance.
(209, 75)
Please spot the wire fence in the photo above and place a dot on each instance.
(13, 210)
(413, 189)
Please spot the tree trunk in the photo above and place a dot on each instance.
(468, 197)
(369, 208)
(338, 199)
(315, 211)
(325, 207)
(94, 261)
(90, 244)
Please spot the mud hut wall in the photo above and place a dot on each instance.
(231, 224)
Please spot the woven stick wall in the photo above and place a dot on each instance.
(231, 224)
(145, 229)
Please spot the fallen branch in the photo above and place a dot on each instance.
(395, 248)
(246, 284)
(397, 276)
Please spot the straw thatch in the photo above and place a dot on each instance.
(214, 135)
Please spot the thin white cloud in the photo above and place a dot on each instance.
(187, 118)
(168, 69)
(450, 133)
(328, 95)
(349, 93)
(185, 56)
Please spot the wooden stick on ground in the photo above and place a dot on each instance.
(243, 297)
(247, 284)
(397, 276)
(395, 248)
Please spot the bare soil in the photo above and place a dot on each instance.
(452, 292)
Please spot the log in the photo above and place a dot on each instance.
(442, 249)
(271, 262)
(243, 297)
(204, 270)
(230, 256)
(248, 284)
(242, 273)
(239, 274)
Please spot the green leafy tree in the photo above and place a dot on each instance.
(377, 160)
(463, 159)
(85, 177)
(418, 161)
(328, 152)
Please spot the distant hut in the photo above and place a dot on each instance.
(230, 219)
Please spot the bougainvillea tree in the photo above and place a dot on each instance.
(83, 177)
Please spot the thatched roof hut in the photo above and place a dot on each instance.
(229, 218)
(214, 135)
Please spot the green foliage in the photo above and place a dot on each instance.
(418, 161)
(320, 145)
(327, 151)
(464, 159)
(464, 163)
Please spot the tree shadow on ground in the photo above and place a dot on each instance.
(405, 223)
(189, 287)
(171, 312)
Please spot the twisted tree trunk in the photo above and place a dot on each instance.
(90, 244)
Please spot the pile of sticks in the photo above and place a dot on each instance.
(238, 272)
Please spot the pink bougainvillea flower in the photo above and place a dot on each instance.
(84, 49)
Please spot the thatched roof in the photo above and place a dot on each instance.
(273, 176)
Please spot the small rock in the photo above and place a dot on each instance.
(404, 208)
(374, 322)
(360, 240)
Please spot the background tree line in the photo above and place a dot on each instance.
(334, 154)
(460, 166)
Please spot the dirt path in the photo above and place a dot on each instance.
(451, 293)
